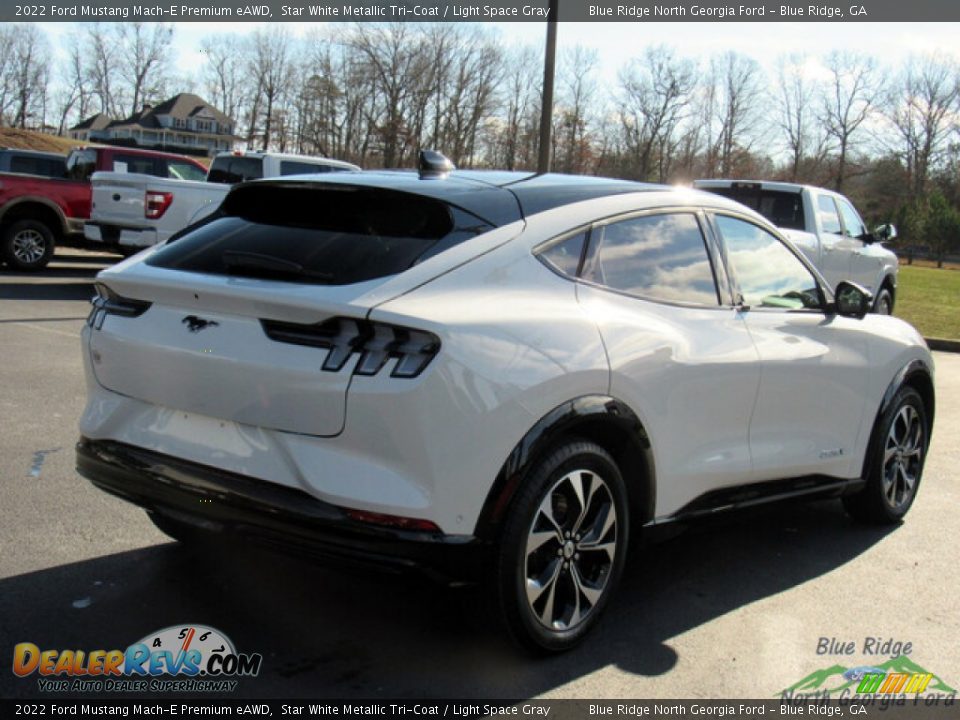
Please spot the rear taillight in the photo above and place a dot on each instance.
(107, 302)
(376, 343)
(155, 203)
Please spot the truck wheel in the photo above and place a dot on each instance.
(27, 245)
(883, 305)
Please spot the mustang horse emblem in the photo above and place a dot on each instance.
(196, 324)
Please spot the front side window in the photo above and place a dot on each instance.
(852, 224)
(659, 257)
(827, 210)
(769, 275)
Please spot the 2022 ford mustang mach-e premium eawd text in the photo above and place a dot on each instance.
(490, 376)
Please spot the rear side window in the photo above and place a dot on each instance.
(47, 167)
(328, 235)
(660, 257)
(138, 164)
(298, 167)
(235, 169)
(564, 256)
(783, 209)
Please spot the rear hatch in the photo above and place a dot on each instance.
(257, 316)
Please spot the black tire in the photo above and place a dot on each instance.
(883, 304)
(898, 450)
(546, 537)
(27, 245)
(181, 532)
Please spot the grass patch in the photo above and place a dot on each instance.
(929, 299)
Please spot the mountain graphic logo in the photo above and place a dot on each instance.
(836, 678)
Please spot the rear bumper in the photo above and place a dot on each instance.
(227, 503)
(119, 235)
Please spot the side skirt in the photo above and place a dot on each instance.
(742, 496)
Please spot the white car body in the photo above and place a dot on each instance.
(723, 399)
(119, 213)
(832, 234)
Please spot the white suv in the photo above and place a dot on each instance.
(491, 376)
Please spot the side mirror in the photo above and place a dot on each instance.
(852, 300)
(885, 233)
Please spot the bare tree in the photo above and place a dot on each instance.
(735, 95)
(25, 68)
(794, 99)
(223, 73)
(577, 103)
(143, 61)
(655, 94)
(922, 106)
(846, 103)
(270, 65)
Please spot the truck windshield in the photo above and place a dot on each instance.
(783, 209)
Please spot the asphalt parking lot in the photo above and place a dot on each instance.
(733, 608)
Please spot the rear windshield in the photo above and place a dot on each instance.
(230, 169)
(317, 234)
(783, 209)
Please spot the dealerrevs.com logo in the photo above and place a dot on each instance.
(180, 658)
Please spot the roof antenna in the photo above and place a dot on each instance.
(434, 164)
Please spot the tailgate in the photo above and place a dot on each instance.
(118, 198)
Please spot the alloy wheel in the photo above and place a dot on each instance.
(902, 457)
(28, 246)
(570, 550)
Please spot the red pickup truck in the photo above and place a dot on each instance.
(36, 212)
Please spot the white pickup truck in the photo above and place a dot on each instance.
(131, 211)
(826, 227)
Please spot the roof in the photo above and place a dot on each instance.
(180, 106)
(498, 197)
(185, 105)
(94, 122)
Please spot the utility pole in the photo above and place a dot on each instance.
(546, 111)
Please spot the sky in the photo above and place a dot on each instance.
(616, 43)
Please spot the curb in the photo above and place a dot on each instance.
(943, 345)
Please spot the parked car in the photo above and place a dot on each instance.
(491, 376)
(37, 213)
(131, 212)
(827, 228)
(33, 162)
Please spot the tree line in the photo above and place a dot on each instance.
(376, 94)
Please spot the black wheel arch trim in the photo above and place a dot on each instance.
(915, 369)
(603, 419)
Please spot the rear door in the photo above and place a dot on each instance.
(680, 354)
(814, 367)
